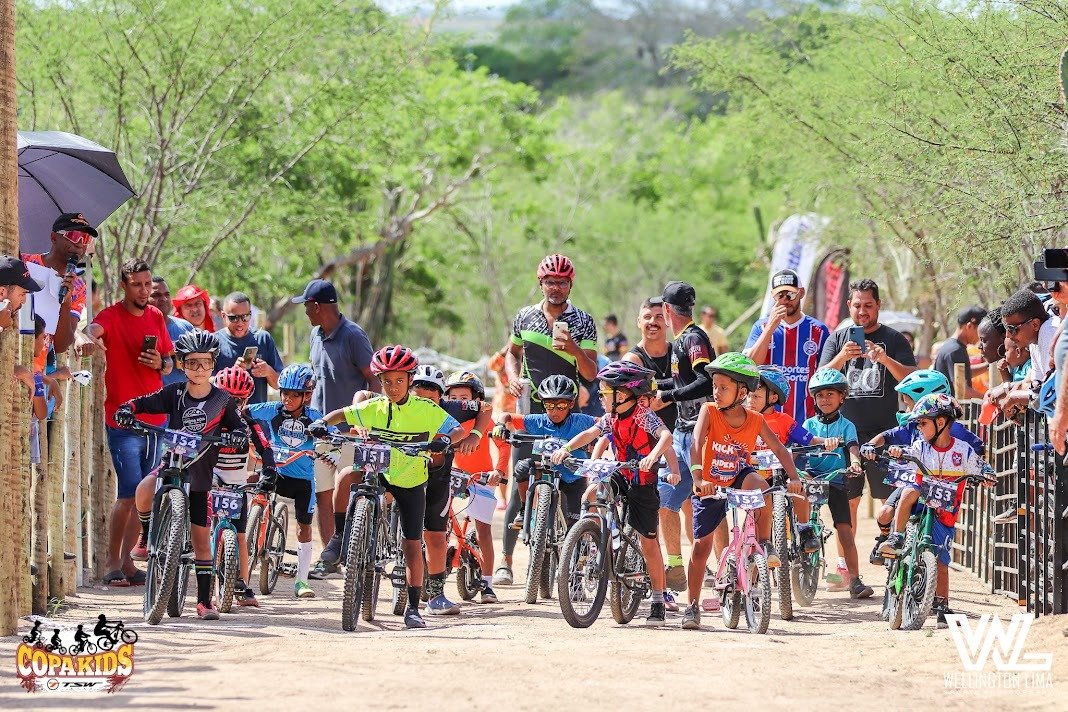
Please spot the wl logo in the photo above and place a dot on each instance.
(991, 637)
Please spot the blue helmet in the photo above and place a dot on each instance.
(828, 378)
(775, 381)
(923, 382)
(298, 377)
(1047, 396)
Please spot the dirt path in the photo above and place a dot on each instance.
(510, 655)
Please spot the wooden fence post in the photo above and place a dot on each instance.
(72, 482)
(21, 535)
(57, 460)
(102, 483)
(960, 383)
(87, 456)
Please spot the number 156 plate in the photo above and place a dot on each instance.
(227, 503)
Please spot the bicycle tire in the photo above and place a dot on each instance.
(129, 636)
(373, 585)
(252, 539)
(468, 577)
(538, 539)
(758, 602)
(274, 548)
(781, 527)
(624, 599)
(551, 566)
(162, 573)
(226, 568)
(918, 595)
(356, 563)
(581, 546)
(399, 599)
(176, 604)
(106, 643)
(805, 577)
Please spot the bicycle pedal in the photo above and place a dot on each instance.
(288, 570)
(291, 552)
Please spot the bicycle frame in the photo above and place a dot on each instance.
(921, 542)
(743, 542)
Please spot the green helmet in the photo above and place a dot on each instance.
(828, 378)
(737, 367)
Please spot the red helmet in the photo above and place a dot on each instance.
(235, 381)
(556, 266)
(394, 358)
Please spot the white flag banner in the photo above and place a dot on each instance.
(796, 246)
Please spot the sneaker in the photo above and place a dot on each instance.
(676, 577)
(412, 619)
(302, 590)
(691, 617)
(517, 523)
(139, 552)
(839, 580)
(502, 576)
(890, 548)
(941, 609)
(875, 557)
(857, 589)
(656, 616)
(441, 606)
(810, 541)
(488, 596)
(669, 602)
(771, 557)
(207, 612)
(247, 599)
(321, 570)
(332, 552)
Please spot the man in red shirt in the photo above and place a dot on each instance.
(124, 332)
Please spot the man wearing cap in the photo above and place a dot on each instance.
(790, 339)
(690, 353)
(15, 284)
(72, 235)
(239, 335)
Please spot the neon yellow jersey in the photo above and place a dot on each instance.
(416, 420)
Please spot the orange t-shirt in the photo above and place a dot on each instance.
(780, 423)
(726, 449)
(481, 460)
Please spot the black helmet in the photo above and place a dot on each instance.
(630, 376)
(557, 387)
(196, 342)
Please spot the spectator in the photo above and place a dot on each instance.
(215, 311)
(176, 326)
(790, 339)
(1028, 326)
(872, 373)
(615, 341)
(15, 284)
(955, 349)
(238, 336)
(716, 335)
(130, 371)
(191, 303)
(71, 237)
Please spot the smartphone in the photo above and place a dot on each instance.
(856, 335)
(148, 344)
(1045, 272)
(1056, 258)
(250, 354)
(560, 329)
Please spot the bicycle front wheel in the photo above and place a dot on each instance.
(356, 563)
(538, 538)
(781, 529)
(273, 547)
(226, 568)
(253, 540)
(163, 563)
(758, 602)
(373, 577)
(918, 596)
(626, 593)
(582, 584)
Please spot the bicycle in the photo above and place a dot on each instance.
(83, 647)
(465, 556)
(226, 502)
(601, 550)
(118, 631)
(742, 575)
(170, 550)
(912, 574)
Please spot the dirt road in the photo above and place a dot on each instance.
(292, 653)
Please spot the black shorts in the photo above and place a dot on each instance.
(874, 473)
(643, 505)
(571, 499)
(838, 503)
(301, 492)
(437, 499)
(198, 508)
(411, 505)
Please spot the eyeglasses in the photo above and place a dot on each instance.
(556, 283)
(198, 364)
(76, 237)
(238, 317)
(788, 296)
(1014, 328)
(556, 406)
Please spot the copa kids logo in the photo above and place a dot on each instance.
(991, 641)
(59, 658)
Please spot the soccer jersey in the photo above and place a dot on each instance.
(905, 435)
(531, 330)
(955, 462)
(795, 348)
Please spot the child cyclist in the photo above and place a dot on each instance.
(466, 387)
(829, 390)
(286, 423)
(725, 434)
(195, 406)
(946, 457)
(912, 388)
(398, 416)
(635, 433)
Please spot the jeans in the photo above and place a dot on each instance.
(673, 496)
(134, 456)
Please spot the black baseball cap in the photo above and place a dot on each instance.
(680, 294)
(785, 280)
(73, 221)
(320, 291)
(13, 273)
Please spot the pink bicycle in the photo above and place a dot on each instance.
(742, 577)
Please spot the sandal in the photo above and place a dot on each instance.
(117, 579)
(137, 579)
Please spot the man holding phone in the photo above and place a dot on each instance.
(243, 346)
(132, 333)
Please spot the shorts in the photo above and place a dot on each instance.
(411, 505)
(134, 456)
(874, 473)
(300, 491)
(891, 501)
(643, 505)
(437, 499)
(324, 473)
(673, 496)
(198, 508)
(838, 503)
(708, 513)
(941, 537)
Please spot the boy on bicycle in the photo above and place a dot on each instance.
(725, 434)
(195, 406)
(635, 433)
(829, 391)
(946, 457)
(397, 417)
(286, 423)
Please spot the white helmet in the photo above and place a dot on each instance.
(428, 375)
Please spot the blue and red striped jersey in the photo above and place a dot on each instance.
(795, 349)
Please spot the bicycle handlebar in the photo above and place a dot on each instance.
(412, 449)
(905, 457)
(149, 428)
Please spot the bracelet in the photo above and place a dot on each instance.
(696, 467)
(476, 432)
(566, 448)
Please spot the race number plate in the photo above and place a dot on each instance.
(816, 491)
(900, 475)
(373, 458)
(597, 469)
(181, 442)
(766, 460)
(745, 499)
(939, 494)
(227, 503)
(547, 446)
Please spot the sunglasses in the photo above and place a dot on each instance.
(607, 392)
(557, 406)
(76, 237)
(198, 364)
(238, 317)
(1015, 328)
(555, 283)
(788, 296)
